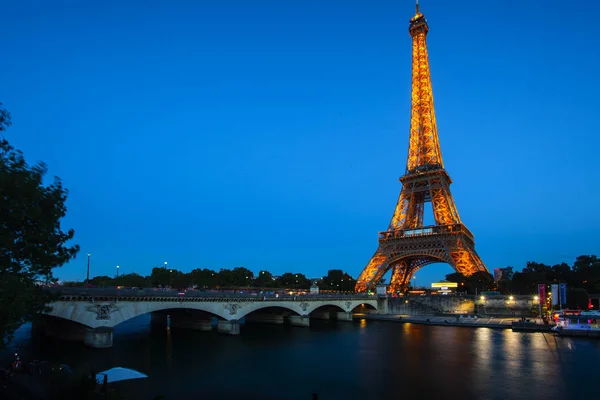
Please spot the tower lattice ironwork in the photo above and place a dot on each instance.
(408, 245)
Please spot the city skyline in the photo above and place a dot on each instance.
(216, 137)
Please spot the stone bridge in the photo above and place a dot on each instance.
(97, 312)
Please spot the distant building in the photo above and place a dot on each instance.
(314, 288)
(497, 274)
(444, 287)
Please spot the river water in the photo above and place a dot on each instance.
(340, 360)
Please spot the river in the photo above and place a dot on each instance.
(340, 360)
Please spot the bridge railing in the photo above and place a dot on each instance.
(426, 231)
(154, 295)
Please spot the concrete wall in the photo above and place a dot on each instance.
(427, 305)
(489, 306)
(501, 306)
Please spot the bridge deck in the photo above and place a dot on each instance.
(192, 296)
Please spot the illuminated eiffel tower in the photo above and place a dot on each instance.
(408, 245)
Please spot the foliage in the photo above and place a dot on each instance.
(32, 243)
(476, 283)
(337, 279)
(131, 280)
(209, 279)
(577, 298)
(582, 278)
(264, 279)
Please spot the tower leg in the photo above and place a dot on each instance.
(374, 270)
(398, 276)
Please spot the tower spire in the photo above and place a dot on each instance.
(418, 12)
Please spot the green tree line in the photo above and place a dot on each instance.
(582, 278)
(336, 279)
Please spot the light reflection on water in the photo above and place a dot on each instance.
(341, 360)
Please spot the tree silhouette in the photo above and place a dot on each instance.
(32, 242)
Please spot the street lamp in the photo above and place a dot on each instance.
(415, 281)
(87, 279)
(117, 272)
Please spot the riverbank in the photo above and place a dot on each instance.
(451, 320)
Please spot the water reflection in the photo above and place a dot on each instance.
(361, 360)
(169, 343)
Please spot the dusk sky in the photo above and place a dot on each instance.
(271, 134)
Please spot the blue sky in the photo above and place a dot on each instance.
(271, 134)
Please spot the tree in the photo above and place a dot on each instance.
(102, 281)
(480, 281)
(587, 272)
(131, 280)
(242, 276)
(507, 273)
(204, 278)
(264, 279)
(180, 280)
(505, 285)
(32, 242)
(577, 298)
(460, 279)
(476, 283)
(160, 277)
(338, 280)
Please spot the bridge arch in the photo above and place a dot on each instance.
(364, 308)
(258, 307)
(327, 308)
(113, 313)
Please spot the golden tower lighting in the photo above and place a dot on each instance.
(408, 245)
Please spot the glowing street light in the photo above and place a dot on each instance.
(117, 272)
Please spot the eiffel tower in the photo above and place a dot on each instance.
(408, 245)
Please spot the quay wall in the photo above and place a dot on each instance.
(497, 306)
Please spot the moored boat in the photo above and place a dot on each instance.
(577, 323)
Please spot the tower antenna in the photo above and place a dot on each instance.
(417, 6)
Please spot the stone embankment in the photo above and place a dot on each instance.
(467, 321)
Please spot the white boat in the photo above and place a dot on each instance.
(577, 323)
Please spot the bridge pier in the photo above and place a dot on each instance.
(274, 319)
(325, 315)
(57, 328)
(382, 305)
(38, 325)
(159, 319)
(99, 338)
(185, 322)
(229, 327)
(344, 316)
(299, 320)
